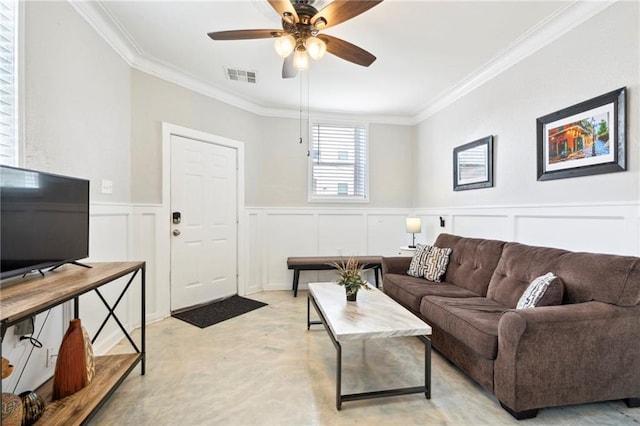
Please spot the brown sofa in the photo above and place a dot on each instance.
(587, 349)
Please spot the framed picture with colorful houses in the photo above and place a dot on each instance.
(584, 139)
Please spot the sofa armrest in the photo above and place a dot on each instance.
(395, 265)
(567, 354)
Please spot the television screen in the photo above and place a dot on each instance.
(44, 220)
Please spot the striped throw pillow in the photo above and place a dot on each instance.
(435, 263)
(535, 291)
(415, 268)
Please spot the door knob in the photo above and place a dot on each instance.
(176, 232)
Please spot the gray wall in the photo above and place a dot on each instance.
(88, 114)
(598, 56)
(77, 100)
(276, 164)
(153, 101)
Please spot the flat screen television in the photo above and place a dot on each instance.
(44, 220)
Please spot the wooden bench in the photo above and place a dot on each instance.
(323, 263)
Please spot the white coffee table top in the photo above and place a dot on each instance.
(373, 315)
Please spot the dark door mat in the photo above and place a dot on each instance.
(212, 313)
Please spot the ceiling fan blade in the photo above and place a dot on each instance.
(347, 51)
(342, 10)
(244, 34)
(285, 10)
(288, 70)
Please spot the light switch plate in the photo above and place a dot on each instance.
(107, 186)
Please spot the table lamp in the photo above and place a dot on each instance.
(414, 226)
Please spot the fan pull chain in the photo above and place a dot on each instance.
(300, 124)
(308, 113)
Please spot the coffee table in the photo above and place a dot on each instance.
(373, 315)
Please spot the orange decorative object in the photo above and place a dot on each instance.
(75, 366)
(7, 368)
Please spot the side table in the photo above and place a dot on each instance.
(407, 251)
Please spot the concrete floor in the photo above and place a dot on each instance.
(265, 368)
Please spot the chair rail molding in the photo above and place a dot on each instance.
(597, 227)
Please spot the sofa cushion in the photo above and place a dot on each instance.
(603, 278)
(435, 263)
(409, 291)
(519, 265)
(545, 290)
(586, 277)
(472, 261)
(472, 320)
(419, 256)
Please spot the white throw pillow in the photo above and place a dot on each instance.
(535, 291)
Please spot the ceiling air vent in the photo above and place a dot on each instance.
(240, 75)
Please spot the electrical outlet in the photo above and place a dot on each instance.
(24, 327)
(52, 354)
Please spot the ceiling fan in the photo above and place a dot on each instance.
(300, 35)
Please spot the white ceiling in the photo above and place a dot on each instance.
(428, 52)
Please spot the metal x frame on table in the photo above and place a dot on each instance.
(111, 309)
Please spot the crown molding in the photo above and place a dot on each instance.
(544, 33)
(541, 35)
(107, 28)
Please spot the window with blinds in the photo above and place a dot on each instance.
(8, 83)
(339, 162)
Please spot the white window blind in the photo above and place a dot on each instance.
(339, 162)
(8, 82)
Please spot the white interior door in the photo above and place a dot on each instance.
(204, 242)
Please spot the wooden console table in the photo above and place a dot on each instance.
(38, 294)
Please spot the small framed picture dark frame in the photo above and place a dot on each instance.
(473, 165)
(585, 139)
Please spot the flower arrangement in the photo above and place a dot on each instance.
(350, 277)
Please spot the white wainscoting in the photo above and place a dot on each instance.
(139, 232)
(136, 232)
(277, 233)
(123, 232)
(601, 228)
(110, 239)
(151, 244)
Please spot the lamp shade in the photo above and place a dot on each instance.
(414, 225)
(300, 59)
(284, 45)
(315, 47)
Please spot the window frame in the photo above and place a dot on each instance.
(19, 25)
(311, 197)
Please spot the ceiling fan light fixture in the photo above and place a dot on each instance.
(320, 23)
(315, 47)
(288, 18)
(284, 45)
(300, 59)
